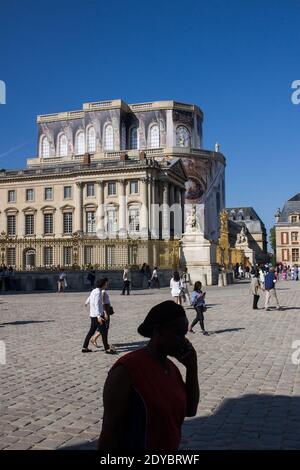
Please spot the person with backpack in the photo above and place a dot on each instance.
(198, 302)
(270, 282)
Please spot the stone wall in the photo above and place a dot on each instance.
(77, 280)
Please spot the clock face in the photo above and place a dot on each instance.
(182, 137)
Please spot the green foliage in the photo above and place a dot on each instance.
(272, 239)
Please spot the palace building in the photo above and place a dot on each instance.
(109, 186)
(287, 230)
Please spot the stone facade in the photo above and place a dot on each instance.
(110, 171)
(248, 233)
(287, 229)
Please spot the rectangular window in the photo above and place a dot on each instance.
(11, 256)
(284, 238)
(134, 187)
(285, 255)
(111, 221)
(134, 220)
(29, 224)
(294, 218)
(110, 255)
(112, 188)
(11, 195)
(88, 255)
(90, 222)
(90, 189)
(68, 223)
(11, 225)
(48, 194)
(132, 254)
(29, 195)
(48, 255)
(67, 192)
(48, 224)
(294, 237)
(67, 255)
(295, 255)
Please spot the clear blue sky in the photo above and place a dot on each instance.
(236, 59)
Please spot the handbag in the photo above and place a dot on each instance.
(111, 311)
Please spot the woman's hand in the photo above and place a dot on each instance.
(187, 356)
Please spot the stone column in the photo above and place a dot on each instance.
(165, 212)
(100, 229)
(78, 207)
(178, 214)
(171, 205)
(149, 204)
(182, 197)
(144, 228)
(154, 210)
(122, 209)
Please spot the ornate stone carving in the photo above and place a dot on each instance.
(192, 222)
(242, 238)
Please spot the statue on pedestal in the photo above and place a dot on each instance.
(242, 237)
(192, 224)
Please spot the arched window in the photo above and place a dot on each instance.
(183, 138)
(62, 146)
(109, 137)
(45, 147)
(91, 140)
(79, 143)
(154, 137)
(133, 138)
(123, 137)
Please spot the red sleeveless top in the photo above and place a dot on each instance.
(157, 405)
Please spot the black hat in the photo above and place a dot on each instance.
(160, 314)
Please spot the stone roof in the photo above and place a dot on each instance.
(291, 206)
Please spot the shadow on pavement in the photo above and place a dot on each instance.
(26, 322)
(258, 422)
(227, 330)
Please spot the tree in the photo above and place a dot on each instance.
(272, 239)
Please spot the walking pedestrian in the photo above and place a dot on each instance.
(91, 277)
(247, 272)
(177, 288)
(154, 278)
(62, 281)
(126, 280)
(198, 302)
(254, 288)
(103, 327)
(154, 398)
(270, 289)
(96, 314)
(186, 281)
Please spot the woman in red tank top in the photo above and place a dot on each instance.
(145, 398)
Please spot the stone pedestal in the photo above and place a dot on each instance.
(199, 255)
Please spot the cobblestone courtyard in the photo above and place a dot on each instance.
(51, 393)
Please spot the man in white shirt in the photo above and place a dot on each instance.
(96, 314)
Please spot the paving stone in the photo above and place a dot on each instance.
(250, 390)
